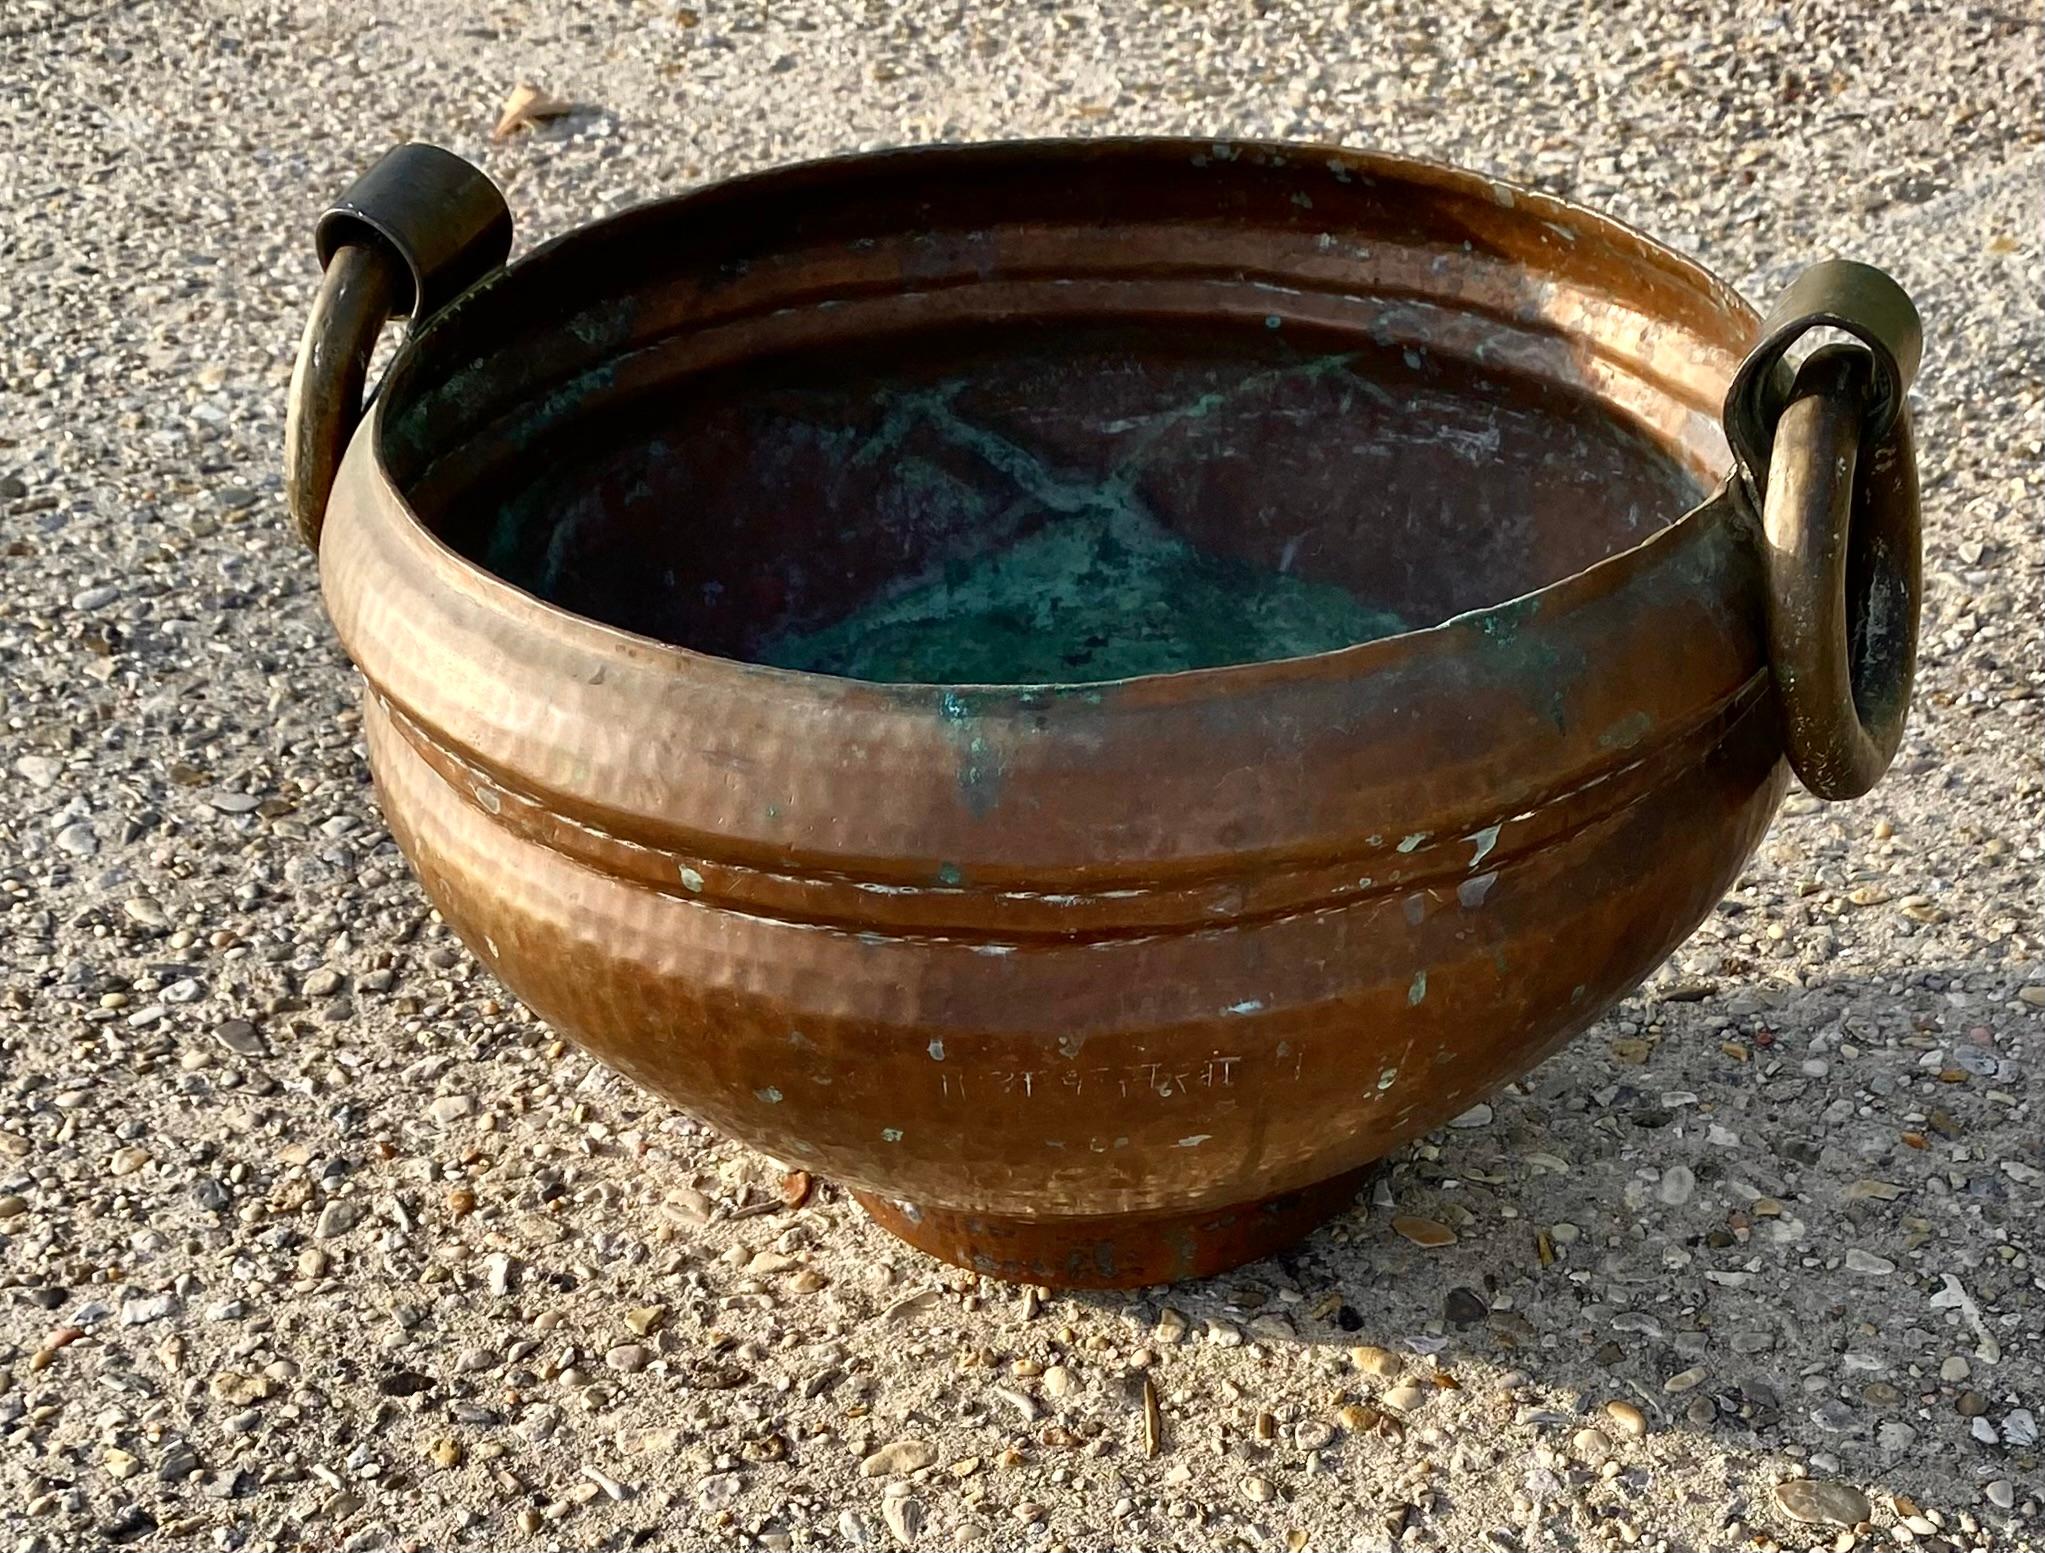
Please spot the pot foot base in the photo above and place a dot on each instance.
(1119, 1252)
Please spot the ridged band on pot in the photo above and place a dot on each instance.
(1043, 959)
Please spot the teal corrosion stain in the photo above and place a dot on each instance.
(979, 763)
(1076, 579)
(1536, 659)
(950, 874)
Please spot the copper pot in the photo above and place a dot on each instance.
(1111, 982)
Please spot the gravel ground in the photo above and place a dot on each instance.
(310, 1237)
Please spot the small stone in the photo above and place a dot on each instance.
(13, 1207)
(240, 1037)
(1424, 1232)
(1171, 1326)
(1059, 1381)
(1955, 1369)
(238, 1389)
(120, 1465)
(154, 1307)
(126, 1161)
(178, 1463)
(1358, 1419)
(646, 1319)
(1591, 1446)
(2002, 1493)
(1477, 1116)
(1970, 1404)
(1836, 1416)
(1258, 1489)
(2020, 1429)
(147, 913)
(1678, 1184)
(312, 1263)
(322, 983)
(461, 1201)
(628, 1358)
(498, 1271)
(1895, 1437)
(338, 1217)
(1685, 1380)
(1818, 1503)
(897, 1459)
(1859, 1261)
(717, 1491)
(446, 1452)
(1311, 1434)
(451, 1108)
(1406, 1398)
(905, 1518)
(1464, 1308)
(1627, 1419)
(1381, 1362)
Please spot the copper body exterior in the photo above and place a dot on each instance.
(1102, 984)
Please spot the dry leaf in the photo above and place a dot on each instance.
(526, 106)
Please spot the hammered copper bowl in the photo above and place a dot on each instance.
(1095, 983)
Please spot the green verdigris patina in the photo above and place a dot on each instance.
(1096, 595)
(1094, 588)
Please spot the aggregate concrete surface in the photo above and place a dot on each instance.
(311, 1237)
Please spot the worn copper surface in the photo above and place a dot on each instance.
(1099, 984)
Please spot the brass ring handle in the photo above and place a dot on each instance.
(353, 305)
(1845, 581)
(413, 233)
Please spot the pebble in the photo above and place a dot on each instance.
(1311, 1434)
(451, 1108)
(628, 1358)
(498, 1272)
(1424, 1232)
(2002, 1493)
(337, 1218)
(240, 1037)
(898, 1458)
(1685, 1380)
(1463, 1308)
(1678, 1184)
(1819, 1503)
(1259, 1490)
(1381, 1362)
(905, 1518)
(1859, 1261)
(645, 1320)
(1406, 1398)
(153, 1307)
(1059, 1381)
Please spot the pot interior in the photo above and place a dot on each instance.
(1070, 502)
(808, 423)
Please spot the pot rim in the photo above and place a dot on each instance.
(1190, 684)
(759, 781)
